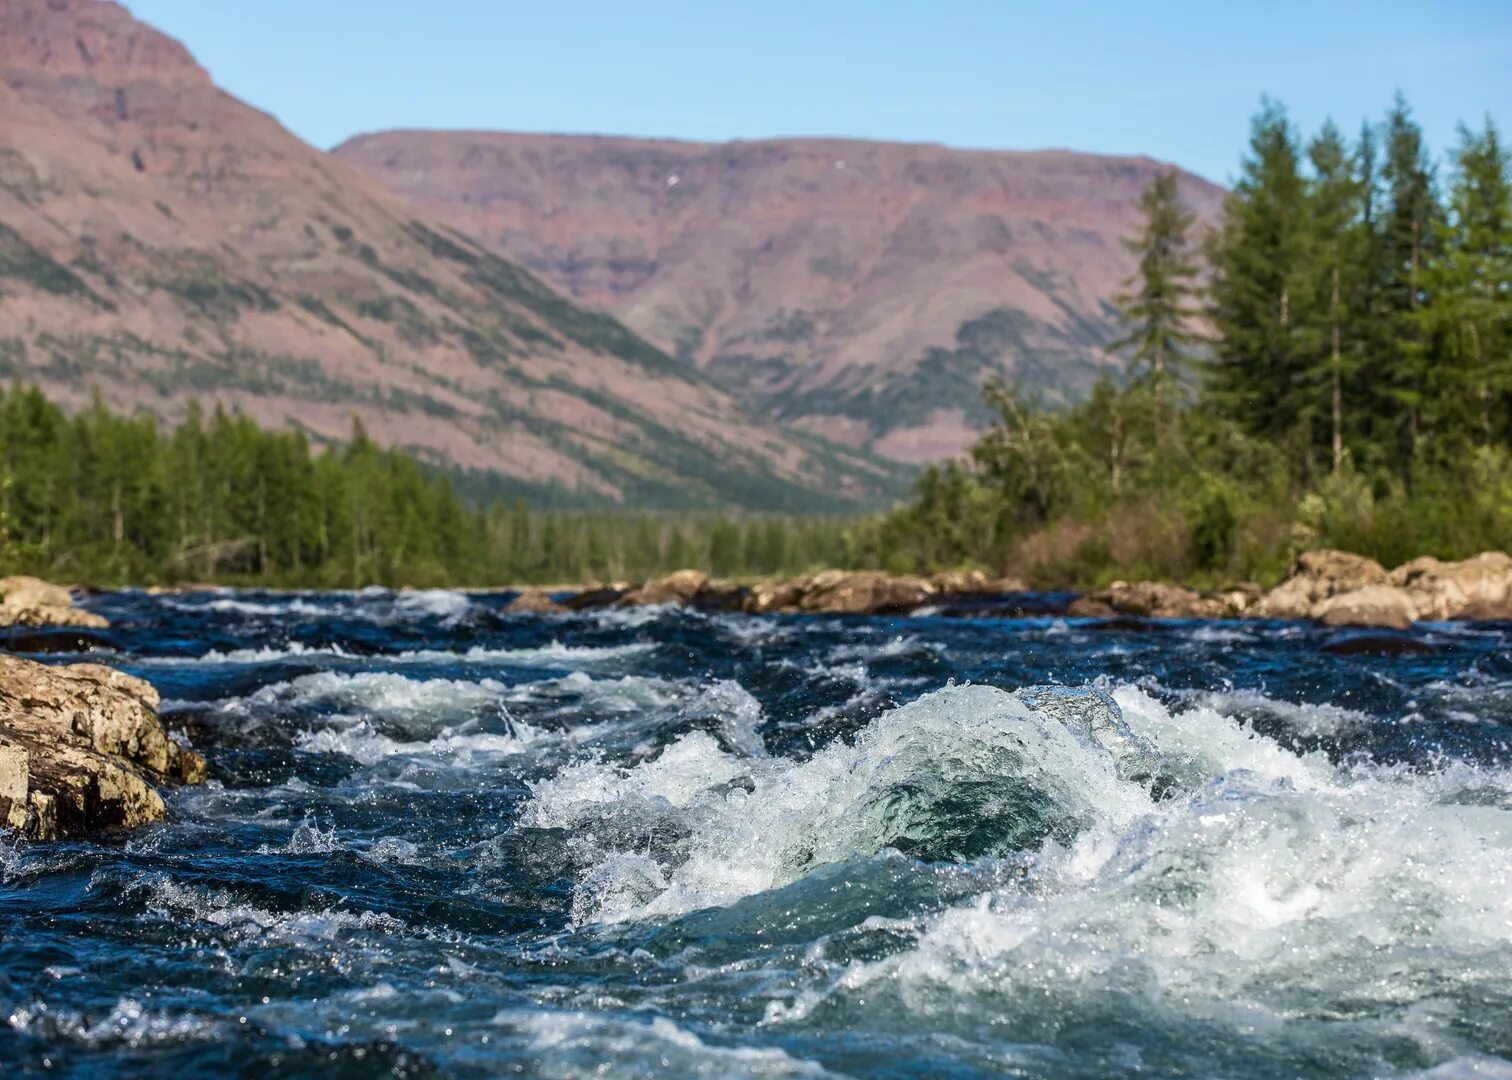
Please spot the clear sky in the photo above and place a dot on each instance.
(1175, 80)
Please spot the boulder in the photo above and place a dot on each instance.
(535, 601)
(1088, 607)
(80, 749)
(864, 592)
(973, 583)
(1378, 606)
(678, 587)
(766, 597)
(1315, 577)
(1155, 599)
(1478, 588)
(721, 595)
(29, 601)
(596, 596)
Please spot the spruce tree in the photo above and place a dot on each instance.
(1410, 233)
(1159, 307)
(1259, 287)
(1471, 289)
(1334, 201)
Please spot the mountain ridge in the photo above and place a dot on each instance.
(161, 240)
(856, 287)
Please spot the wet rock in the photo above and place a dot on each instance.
(864, 592)
(1376, 645)
(80, 748)
(1088, 607)
(1383, 606)
(678, 587)
(534, 601)
(1478, 588)
(595, 596)
(29, 601)
(721, 596)
(1316, 576)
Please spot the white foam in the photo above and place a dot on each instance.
(554, 654)
(446, 604)
(847, 800)
(579, 1044)
(177, 903)
(362, 742)
(1270, 884)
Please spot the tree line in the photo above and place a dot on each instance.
(103, 498)
(1331, 364)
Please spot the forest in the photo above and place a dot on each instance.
(105, 499)
(1331, 365)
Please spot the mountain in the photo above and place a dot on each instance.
(859, 289)
(162, 241)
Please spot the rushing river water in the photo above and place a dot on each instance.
(441, 840)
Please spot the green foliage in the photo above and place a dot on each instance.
(109, 499)
(1358, 393)
(1159, 311)
(23, 262)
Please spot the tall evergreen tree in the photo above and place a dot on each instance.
(1471, 289)
(1411, 227)
(1159, 307)
(1333, 348)
(1259, 285)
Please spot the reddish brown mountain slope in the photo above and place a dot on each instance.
(861, 289)
(160, 239)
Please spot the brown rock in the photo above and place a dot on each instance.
(721, 595)
(29, 601)
(973, 583)
(678, 587)
(79, 747)
(536, 601)
(1478, 588)
(1086, 607)
(1380, 606)
(1316, 576)
(772, 596)
(959, 582)
(861, 592)
(1156, 599)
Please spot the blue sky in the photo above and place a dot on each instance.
(1175, 80)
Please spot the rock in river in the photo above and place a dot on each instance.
(80, 748)
(29, 601)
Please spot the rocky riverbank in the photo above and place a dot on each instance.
(1334, 588)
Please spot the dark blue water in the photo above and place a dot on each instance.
(441, 840)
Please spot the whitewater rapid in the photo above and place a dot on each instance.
(444, 839)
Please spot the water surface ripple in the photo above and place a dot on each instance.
(444, 840)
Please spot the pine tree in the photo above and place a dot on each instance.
(1471, 288)
(1159, 308)
(1335, 210)
(1259, 286)
(1410, 231)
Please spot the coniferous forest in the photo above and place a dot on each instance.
(101, 498)
(1330, 366)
